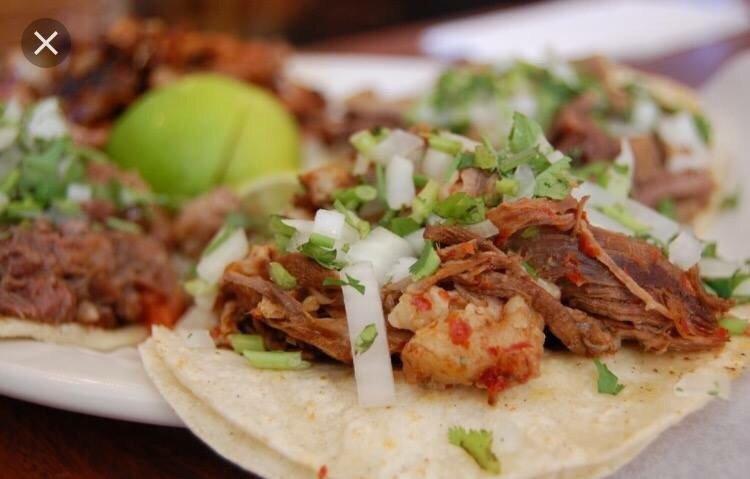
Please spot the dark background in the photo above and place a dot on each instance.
(299, 21)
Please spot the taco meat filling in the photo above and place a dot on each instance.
(74, 273)
(480, 319)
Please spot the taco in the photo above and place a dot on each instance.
(449, 309)
(83, 255)
(597, 112)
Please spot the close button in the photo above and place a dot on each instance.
(46, 42)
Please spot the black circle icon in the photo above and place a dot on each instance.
(46, 42)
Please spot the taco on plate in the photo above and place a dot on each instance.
(448, 308)
(83, 256)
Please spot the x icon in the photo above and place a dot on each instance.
(45, 43)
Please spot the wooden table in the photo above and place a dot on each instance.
(36, 441)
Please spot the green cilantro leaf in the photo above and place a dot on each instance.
(350, 281)
(365, 339)
(478, 444)
(607, 382)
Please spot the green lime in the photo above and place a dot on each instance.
(205, 130)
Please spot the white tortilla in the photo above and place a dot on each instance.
(73, 334)
(554, 426)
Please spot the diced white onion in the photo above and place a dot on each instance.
(600, 220)
(717, 268)
(523, 102)
(483, 229)
(329, 223)
(703, 383)
(79, 193)
(211, 266)
(436, 163)
(381, 248)
(372, 369)
(679, 131)
(524, 175)
(685, 250)
(8, 134)
(416, 240)
(551, 288)
(620, 184)
(196, 338)
(46, 121)
(742, 289)
(399, 182)
(661, 227)
(361, 165)
(302, 234)
(645, 115)
(398, 142)
(197, 317)
(400, 269)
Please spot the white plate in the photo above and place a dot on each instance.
(114, 385)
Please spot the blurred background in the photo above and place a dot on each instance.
(493, 28)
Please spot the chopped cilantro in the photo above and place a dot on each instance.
(735, 326)
(350, 281)
(622, 215)
(607, 382)
(710, 250)
(667, 207)
(446, 145)
(403, 226)
(118, 224)
(362, 226)
(704, 128)
(507, 186)
(461, 207)
(428, 262)
(556, 181)
(282, 232)
(524, 134)
(281, 276)
(478, 444)
(365, 339)
(323, 256)
(730, 202)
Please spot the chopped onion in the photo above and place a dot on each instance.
(551, 288)
(8, 134)
(680, 132)
(400, 269)
(211, 266)
(399, 182)
(620, 183)
(685, 250)
(416, 240)
(600, 220)
(79, 193)
(303, 230)
(197, 317)
(716, 268)
(742, 290)
(524, 175)
(645, 115)
(523, 102)
(398, 142)
(46, 121)
(372, 369)
(436, 163)
(329, 223)
(483, 229)
(661, 227)
(196, 338)
(703, 383)
(381, 248)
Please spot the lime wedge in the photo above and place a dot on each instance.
(268, 195)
